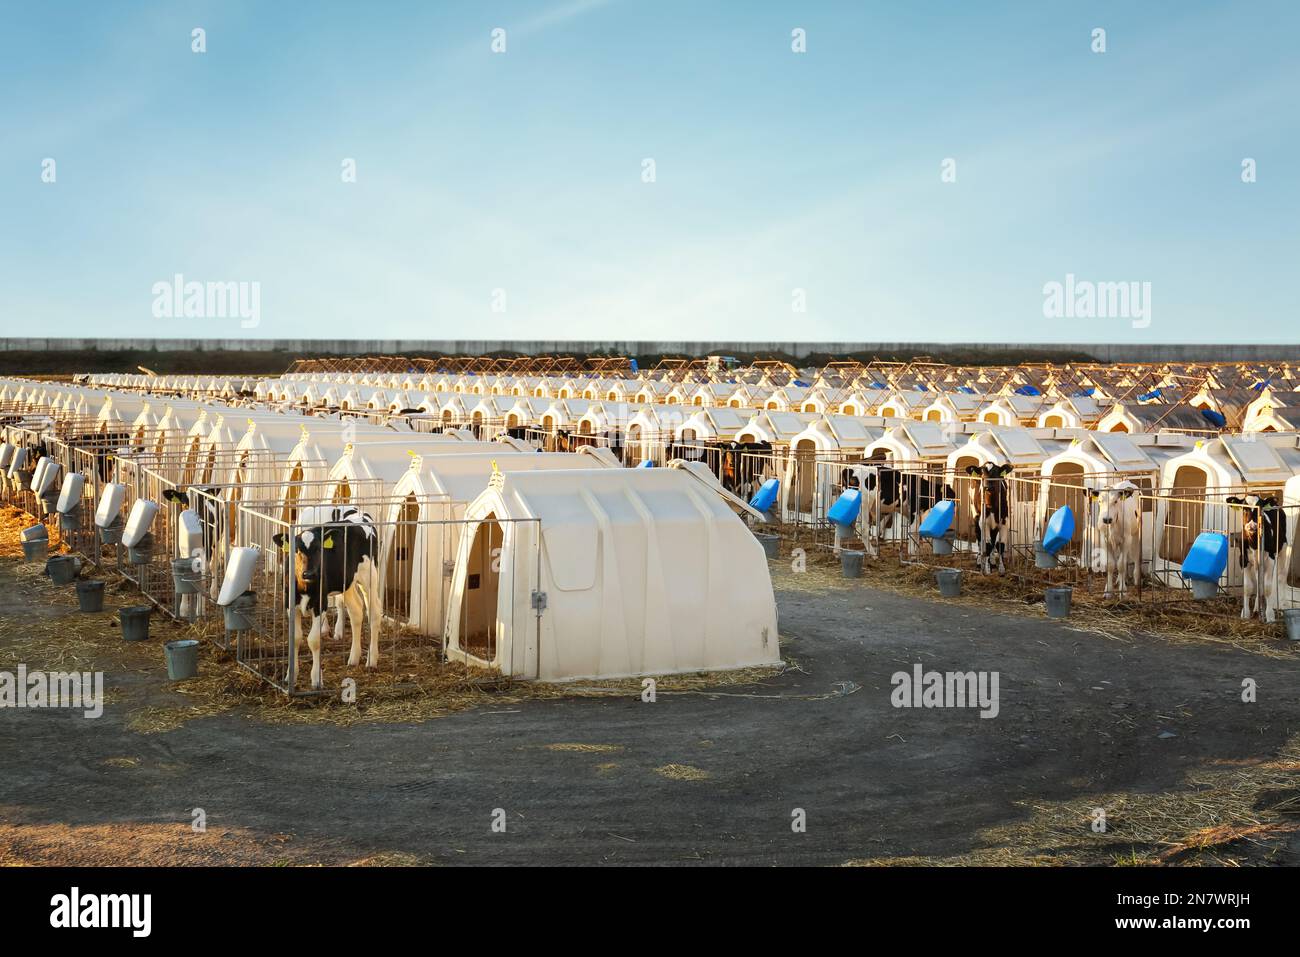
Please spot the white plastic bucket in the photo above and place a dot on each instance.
(70, 494)
(138, 522)
(109, 509)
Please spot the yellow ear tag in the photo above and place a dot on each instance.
(284, 547)
(328, 543)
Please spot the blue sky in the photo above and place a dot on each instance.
(774, 171)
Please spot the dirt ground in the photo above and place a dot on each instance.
(1153, 730)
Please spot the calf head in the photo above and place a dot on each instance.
(180, 496)
(325, 559)
(1110, 501)
(1263, 525)
(203, 500)
(993, 485)
(990, 471)
(307, 547)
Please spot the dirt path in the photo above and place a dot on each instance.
(1153, 731)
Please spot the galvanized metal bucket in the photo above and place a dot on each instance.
(90, 595)
(949, 581)
(1057, 601)
(36, 549)
(851, 563)
(182, 659)
(135, 622)
(141, 553)
(185, 579)
(1291, 620)
(63, 569)
(239, 613)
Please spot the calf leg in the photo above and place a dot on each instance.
(867, 532)
(374, 609)
(1247, 593)
(356, 609)
(295, 631)
(340, 608)
(313, 642)
(1266, 588)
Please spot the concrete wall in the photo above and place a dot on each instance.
(1001, 352)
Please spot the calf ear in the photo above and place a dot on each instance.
(1128, 493)
(280, 543)
(1006, 469)
(1234, 500)
(972, 470)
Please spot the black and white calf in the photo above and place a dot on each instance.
(742, 466)
(890, 496)
(335, 552)
(990, 511)
(1263, 538)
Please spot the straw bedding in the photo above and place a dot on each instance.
(412, 686)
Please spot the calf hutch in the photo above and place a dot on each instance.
(1195, 487)
(606, 574)
(426, 515)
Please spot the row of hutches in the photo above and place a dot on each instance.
(1105, 398)
(542, 565)
(1189, 471)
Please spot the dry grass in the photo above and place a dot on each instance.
(12, 521)
(412, 686)
(1125, 620)
(682, 772)
(1218, 815)
(424, 688)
